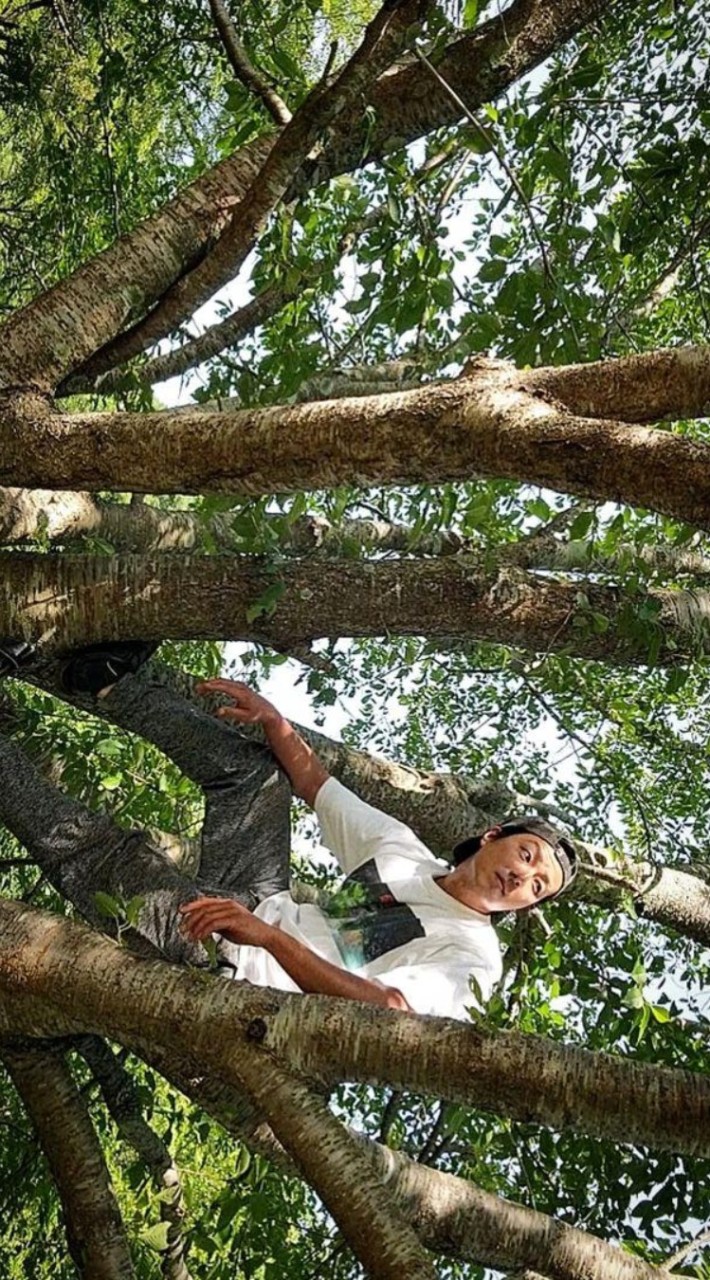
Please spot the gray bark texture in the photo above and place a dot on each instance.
(122, 1100)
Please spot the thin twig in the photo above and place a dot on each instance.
(681, 1254)
(243, 68)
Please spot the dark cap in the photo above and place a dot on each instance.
(562, 846)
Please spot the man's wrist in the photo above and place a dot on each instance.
(273, 722)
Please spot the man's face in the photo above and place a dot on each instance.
(514, 871)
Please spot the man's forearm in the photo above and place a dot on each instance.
(302, 765)
(317, 976)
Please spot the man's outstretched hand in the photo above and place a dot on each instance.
(204, 916)
(306, 773)
(248, 706)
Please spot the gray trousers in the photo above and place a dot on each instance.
(245, 836)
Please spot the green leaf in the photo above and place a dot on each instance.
(156, 1237)
(633, 998)
(470, 13)
(108, 906)
(493, 270)
(111, 781)
(581, 525)
(394, 208)
(133, 910)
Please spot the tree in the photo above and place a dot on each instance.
(588, 264)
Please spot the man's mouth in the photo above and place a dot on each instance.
(502, 883)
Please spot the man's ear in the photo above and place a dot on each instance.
(491, 835)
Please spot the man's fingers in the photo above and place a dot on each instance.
(195, 904)
(220, 685)
(202, 924)
(234, 713)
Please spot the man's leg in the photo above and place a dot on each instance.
(83, 853)
(247, 829)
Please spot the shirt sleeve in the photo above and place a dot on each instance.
(355, 832)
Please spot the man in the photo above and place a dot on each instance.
(410, 933)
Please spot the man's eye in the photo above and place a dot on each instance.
(527, 855)
(537, 888)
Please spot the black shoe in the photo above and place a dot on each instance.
(14, 654)
(97, 666)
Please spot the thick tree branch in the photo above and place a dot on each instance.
(319, 1144)
(95, 1232)
(236, 1030)
(455, 1217)
(450, 1214)
(380, 45)
(123, 1104)
(64, 326)
(78, 599)
(68, 517)
(493, 421)
(206, 345)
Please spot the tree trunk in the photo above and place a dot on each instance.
(95, 1232)
(457, 1218)
(82, 599)
(63, 327)
(121, 997)
(450, 1214)
(122, 1101)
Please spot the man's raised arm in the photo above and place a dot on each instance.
(302, 765)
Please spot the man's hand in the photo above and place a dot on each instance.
(249, 706)
(302, 765)
(204, 916)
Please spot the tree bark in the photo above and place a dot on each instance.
(450, 1214)
(67, 516)
(382, 40)
(64, 326)
(235, 1029)
(95, 1232)
(455, 1217)
(123, 1105)
(494, 421)
(78, 599)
